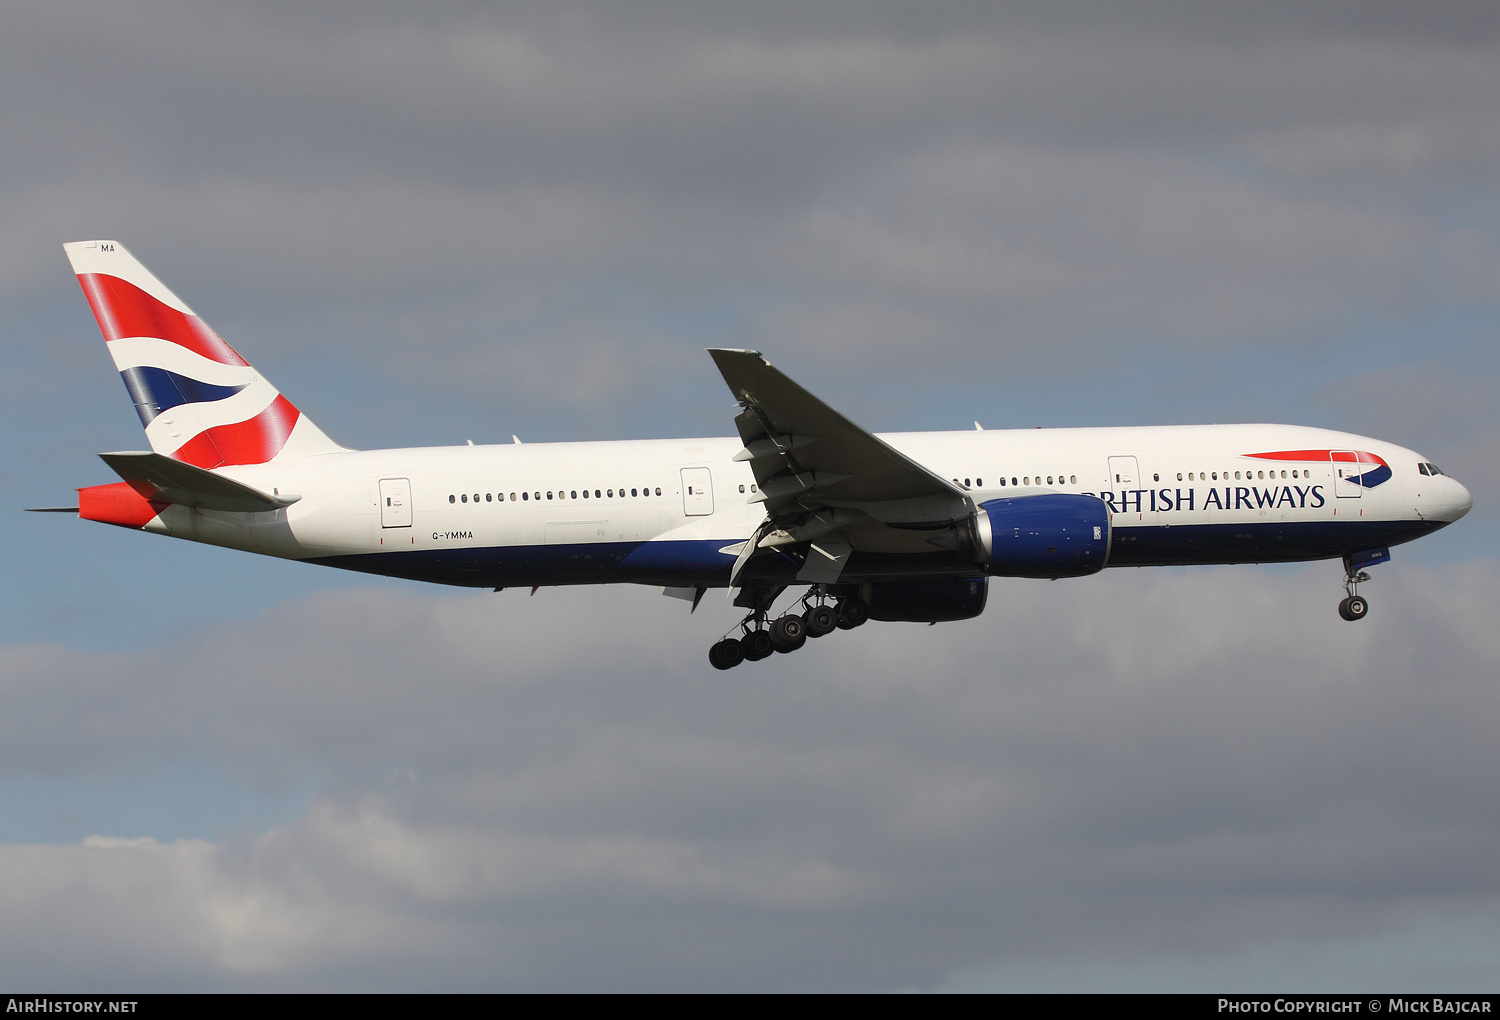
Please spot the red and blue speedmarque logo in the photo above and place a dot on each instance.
(1357, 466)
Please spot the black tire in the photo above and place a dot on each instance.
(788, 633)
(853, 613)
(820, 620)
(727, 654)
(1357, 607)
(756, 645)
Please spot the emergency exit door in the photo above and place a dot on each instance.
(697, 492)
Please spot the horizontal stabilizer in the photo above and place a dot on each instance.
(51, 509)
(161, 478)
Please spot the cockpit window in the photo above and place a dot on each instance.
(1429, 468)
(1422, 469)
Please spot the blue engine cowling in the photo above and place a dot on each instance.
(1048, 535)
(938, 600)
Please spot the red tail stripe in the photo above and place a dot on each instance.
(123, 309)
(253, 441)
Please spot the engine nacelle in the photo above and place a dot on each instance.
(938, 600)
(1048, 535)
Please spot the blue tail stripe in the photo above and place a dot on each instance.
(154, 390)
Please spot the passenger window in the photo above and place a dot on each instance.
(1072, 479)
(658, 490)
(476, 497)
(489, 497)
(1179, 476)
(1002, 482)
(525, 495)
(465, 497)
(452, 500)
(742, 488)
(596, 493)
(1014, 482)
(1049, 479)
(549, 494)
(979, 482)
(1155, 477)
(512, 497)
(632, 492)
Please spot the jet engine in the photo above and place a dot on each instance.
(1047, 535)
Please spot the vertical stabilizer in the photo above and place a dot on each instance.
(199, 401)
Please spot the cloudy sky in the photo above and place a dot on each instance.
(440, 222)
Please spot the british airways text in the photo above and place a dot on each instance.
(1237, 497)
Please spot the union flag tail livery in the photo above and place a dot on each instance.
(199, 401)
(856, 526)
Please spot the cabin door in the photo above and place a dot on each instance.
(1122, 473)
(1346, 471)
(395, 503)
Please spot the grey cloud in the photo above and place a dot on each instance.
(567, 201)
(1145, 760)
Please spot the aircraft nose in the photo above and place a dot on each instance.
(1464, 500)
(1451, 501)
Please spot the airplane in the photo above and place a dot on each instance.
(856, 526)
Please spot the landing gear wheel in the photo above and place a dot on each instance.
(756, 645)
(1353, 608)
(726, 654)
(820, 620)
(852, 613)
(788, 633)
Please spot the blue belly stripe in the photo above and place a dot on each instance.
(693, 563)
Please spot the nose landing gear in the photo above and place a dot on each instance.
(1353, 607)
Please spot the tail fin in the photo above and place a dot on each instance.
(199, 401)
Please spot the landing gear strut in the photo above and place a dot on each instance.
(788, 632)
(1353, 607)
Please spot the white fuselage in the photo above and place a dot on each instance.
(675, 511)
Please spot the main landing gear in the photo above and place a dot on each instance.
(788, 632)
(1353, 607)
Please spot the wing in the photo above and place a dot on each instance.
(820, 475)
